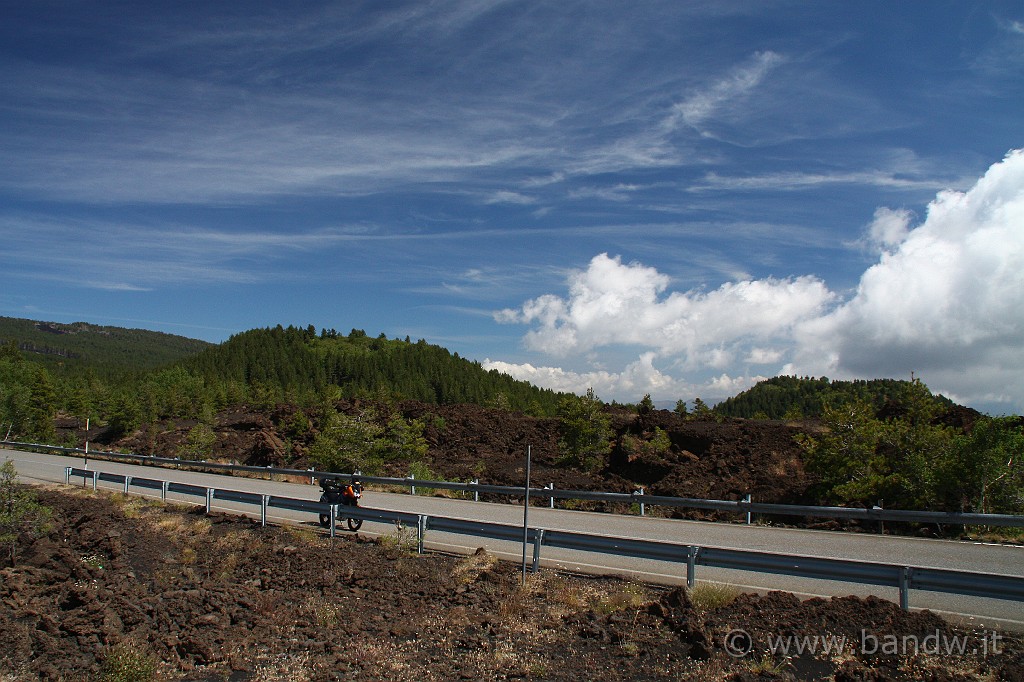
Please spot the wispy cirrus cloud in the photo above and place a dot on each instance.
(796, 181)
(728, 92)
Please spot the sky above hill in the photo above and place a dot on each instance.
(667, 198)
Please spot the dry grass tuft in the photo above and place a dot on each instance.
(400, 541)
(707, 597)
(128, 661)
(304, 534)
(632, 595)
(285, 668)
(184, 527)
(469, 568)
(322, 611)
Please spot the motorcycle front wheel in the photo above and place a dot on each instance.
(355, 524)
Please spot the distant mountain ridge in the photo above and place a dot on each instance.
(80, 346)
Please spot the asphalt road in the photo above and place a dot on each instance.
(981, 557)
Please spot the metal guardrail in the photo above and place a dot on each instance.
(741, 507)
(904, 578)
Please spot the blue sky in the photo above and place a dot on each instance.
(673, 198)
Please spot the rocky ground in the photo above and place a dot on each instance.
(122, 588)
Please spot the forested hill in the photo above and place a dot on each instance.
(79, 346)
(302, 363)
(788, 396)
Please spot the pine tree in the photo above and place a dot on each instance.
(585, 431)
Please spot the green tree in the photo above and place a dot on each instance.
(585, 431)
(403, 439)
(200, 441)
(913, 445)
(42, 407)
(984, 471)
(348, 443)
(21, 515)
(793, 413)
(701, 411)
(15, 394)
(655, 444)
(500, 402)
(845, 456)
(863, 458)
(124, 413)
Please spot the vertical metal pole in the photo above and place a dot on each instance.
(127, 483)
(163, 490)
(67, 475)
(95, 479)
(643, 508)
(526, 510)
(312, 478)
(421, 532)
(412, 488)
(264, 501)
(87, 440)
(334, 518)
(538, 540)
(905, 588)
(551, 499)
(746, 498)
(209, 499)
(691, 565)
(476, 493)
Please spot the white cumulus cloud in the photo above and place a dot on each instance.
(889, 228)
(612, 303)
(945, 300)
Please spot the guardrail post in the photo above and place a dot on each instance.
(209, 499)
(746, 498)
(551, 499)
(334, 518)
(127, 483)
(691, 565)
(67, 475)
(264, 501)
(412, 487)
(476, 493)
(163, 490)
(905, 588)
(421, 531)
(312, 478)
(643, 507)
(538, 540)
(95, 479)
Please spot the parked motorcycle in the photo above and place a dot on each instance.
(336, 492)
